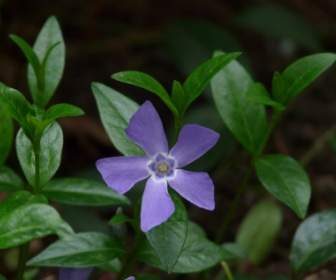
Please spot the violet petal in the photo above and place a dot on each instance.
(194, 141)
(196, 187)
(75, 273)
(145, 129)
(122, 173)
(157, 206)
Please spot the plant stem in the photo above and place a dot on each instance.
(227, 270)
(23, 256)
(318, 146)
(37, 153)
(177, 126)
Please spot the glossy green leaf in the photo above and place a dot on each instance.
(294, 28)
(115, 111)
(16, 104)
(245, 119)
(50, 154)
(9, 180)
(198, 252)
(286, 179)
(63, 110)
(259, 94)
(168, 239)
(256, 238)
(300, 74)
(6, 133)
(146, 82)
(197, 81)
(79, 250)
(50, 50)
(78, 191)
(24, 217)
(314, 242)
(28, 53)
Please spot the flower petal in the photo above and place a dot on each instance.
(145, 129)
(194, 141)
(196, 187)
(157, 206)
(75, 273)
(122, 173)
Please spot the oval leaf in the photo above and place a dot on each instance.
(23, 218)
(245, 119)
(79, 250)
(314, 242)
(285, 178)
(253, 236)
(115, 111)
(63, 110)
(50, 50)
(50, 155)
(76, 191)
(9, 180)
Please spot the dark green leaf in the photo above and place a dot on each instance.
(119, 219)
(201, 76)
(77, 191)
(63, 110)
(50, 154)
(115, 111)
(49, 43)
(314, 242)
(300, 74)
(256, 238)
(285, 178)
(233, 252)
(6, 133)
(245, 119)
(79, 250)
(293, 28)
(168, 239)
(259, 94)
(9, 180)
(146, 82)
(23, 217)
(179, 96)
(28, 52)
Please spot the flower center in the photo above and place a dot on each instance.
(161, 166)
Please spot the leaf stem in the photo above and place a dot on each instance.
(23, 256)
(227, 270)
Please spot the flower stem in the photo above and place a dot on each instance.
(23, 256)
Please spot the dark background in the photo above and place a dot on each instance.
(167, 39)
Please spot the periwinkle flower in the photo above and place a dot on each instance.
(75, 273)
(161, 166)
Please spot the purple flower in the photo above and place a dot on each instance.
(75, 273)
(161, 166)
(130, 278)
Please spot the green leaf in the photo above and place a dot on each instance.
(168, 239)
(79, 250)
(115, 111)
(9, 180)
(28, 52)
(23, 217)
(314, 242)
(245, 119)
(256, 238)
(17, 105)
(300, 74)
(146, 82)
(198, 252)
(201, 76)
(233, 252)
(51, 145)
(179, 96)
(77, 191)
(6, 133)
(63, 110)
(294, 28)
(119, 219)
(259, 94)
(286, 179)
(50, 50)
